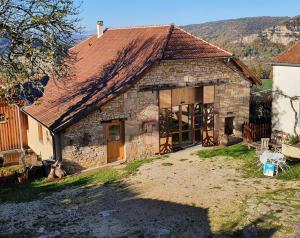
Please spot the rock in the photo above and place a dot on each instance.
(249, 231)
(41, 229)
(53, 234)
(163, 233)
(106, 213)
(158, 233)
(56, 171)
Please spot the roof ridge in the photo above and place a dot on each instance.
(84, 40)
(172, 26)
(199, 38)
(135, 27)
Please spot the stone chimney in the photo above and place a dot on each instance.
(100, 28)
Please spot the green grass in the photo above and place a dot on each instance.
(292, 171)
(237, 152)
(132, 167)
(249, 159)
(12, 169)
(40, 188)
(266, 84)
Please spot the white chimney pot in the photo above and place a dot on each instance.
(100, 28)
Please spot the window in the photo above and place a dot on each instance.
(114, 132)
(229, 125)
(40, 132)
(2, 118)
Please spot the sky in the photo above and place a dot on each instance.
(122, 13)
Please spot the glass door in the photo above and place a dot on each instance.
(182, 125)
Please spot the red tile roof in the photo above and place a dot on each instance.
(110, 64)
(290, 56)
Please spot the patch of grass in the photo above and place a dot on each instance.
(237, 152)
(166, 164)
(12, 169)
(266, 84)
(133, 166)
(292, 172)
(37, 188)
(250, 161)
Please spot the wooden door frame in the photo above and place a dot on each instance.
(120, 122)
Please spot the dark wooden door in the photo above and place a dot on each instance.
(115, 140)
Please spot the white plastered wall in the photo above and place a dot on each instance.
(43, 148)
(287, 80)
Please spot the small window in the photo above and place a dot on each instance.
(2, 118)
(114, 132)
(40, 132)
(229, 125)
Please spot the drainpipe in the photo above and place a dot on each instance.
(20, 130)
(57, 146)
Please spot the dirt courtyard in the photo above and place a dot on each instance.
(181, 195)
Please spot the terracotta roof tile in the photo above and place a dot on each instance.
(110, 64)
(290, 56)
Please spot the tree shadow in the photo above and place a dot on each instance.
(115, 76)
(117, 210)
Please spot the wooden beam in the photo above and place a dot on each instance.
(164, 86)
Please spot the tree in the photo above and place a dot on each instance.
(34, 39)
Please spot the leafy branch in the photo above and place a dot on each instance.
(35, 37)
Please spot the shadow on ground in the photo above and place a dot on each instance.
(78, 213)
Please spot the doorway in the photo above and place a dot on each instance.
(186, 117)
(115, 140)
(186, 125)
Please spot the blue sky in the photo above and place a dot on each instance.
(118, 13)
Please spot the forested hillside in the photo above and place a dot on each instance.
(254, 39)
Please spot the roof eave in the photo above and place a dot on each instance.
(283, 64)
(28, 114)
(247, 72)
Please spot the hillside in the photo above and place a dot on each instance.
(254, 39)
(232, 30)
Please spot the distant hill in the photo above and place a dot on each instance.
(232, 30)
(254, 39)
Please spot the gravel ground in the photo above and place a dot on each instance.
(178, 196)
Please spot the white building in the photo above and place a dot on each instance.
(286, 79)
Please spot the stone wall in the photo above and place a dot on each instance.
(231, 99)
(84, 143)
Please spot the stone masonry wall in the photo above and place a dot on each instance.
(84, 144)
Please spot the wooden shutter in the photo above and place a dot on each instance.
(40, 132)
(208, 94)
(165, 98)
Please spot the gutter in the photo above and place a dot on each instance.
(283, 64)
(20, 130)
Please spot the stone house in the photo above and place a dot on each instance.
(140, 91)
